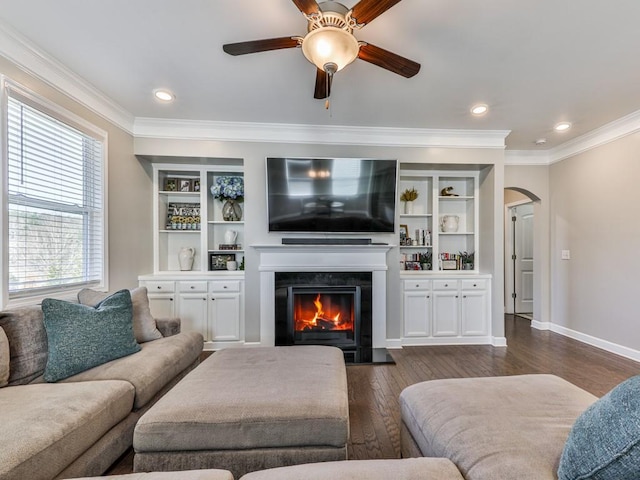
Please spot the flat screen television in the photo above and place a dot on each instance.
(331, 195)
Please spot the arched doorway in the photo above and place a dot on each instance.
(519, 261)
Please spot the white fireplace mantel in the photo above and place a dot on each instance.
(323, 258)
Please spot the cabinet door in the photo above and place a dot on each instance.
(445, 314)
(417, 314)
(162, 306)
(474, 313)
(193, 313)
(224, 317)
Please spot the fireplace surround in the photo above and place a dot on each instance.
(371, 259)
(325, 308)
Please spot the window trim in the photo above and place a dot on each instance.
(11, 88)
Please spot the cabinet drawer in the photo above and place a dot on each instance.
(417, 284)
(474, 284)
(161, 286)
(226, 286)
(196, 287)
(445, 284)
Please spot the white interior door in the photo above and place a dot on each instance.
(523, 263)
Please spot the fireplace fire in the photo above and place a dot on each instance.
(326, 312)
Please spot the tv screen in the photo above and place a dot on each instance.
(342, 195)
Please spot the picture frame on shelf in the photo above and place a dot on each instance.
(404, 233)
(196, 184)
(412, 266)
(449, 265)
(170, 184)
(219, 261)
(185, 185)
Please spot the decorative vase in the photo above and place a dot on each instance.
(408, 208)
(231, 211)
(449, 223)
(185, 258)
(230, 237)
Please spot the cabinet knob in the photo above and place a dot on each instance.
(475, 285)
(192, 287)
(212, 299)
(464, 296)
(446, 284)
(224, 286)
(159, 287)
(417, 285)
(171, 299)
(456, 296)
(204, 299)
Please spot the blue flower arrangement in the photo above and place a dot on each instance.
(228, 188)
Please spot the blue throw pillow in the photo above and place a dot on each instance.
(604, 443)
(82, 337)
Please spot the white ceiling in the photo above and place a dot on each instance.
(534, 63)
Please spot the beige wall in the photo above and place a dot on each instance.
(594, 214)
(129, 188)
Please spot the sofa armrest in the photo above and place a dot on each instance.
(168, 326)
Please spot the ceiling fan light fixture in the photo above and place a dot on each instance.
(328, 45)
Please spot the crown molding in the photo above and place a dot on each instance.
(526, 157)
(28, 57)
(600, 136)
(317, 134)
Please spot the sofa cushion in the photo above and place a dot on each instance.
(495, 427)
(4, 358)
(152, 368)
(604, 443)
(50, 425)
(80, 337)
(144, 325)
(27, 343)
(405, 469)
(209, 474)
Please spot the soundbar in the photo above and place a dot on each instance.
(326, 241)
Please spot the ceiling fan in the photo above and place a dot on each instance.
(329, 43)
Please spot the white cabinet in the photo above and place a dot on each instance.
(440, 224)
(210, 305)
(161, 298)
(446, 310)
(417, 308)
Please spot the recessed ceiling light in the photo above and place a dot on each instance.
(163, 95)
(479, 109)
(562, 126)
(541, 141)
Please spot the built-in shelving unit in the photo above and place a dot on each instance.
(441, 223)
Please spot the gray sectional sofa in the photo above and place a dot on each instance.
(80, 425)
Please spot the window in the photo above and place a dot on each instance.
(55, 199)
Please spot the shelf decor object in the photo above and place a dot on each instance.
(230, 190)
(408, 197)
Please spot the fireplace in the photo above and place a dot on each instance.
(328, 308)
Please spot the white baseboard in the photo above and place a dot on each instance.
(597, 342)
(394, 344)
(499, 341)
(540, 325)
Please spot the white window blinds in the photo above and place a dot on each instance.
(55, 202)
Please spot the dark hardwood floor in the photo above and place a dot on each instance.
(374, 390)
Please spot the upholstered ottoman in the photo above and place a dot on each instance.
(190, 475)
(249, 409)
(405, 469)
(493, 428)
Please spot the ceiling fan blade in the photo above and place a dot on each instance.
(307, 6)
(388, 60)
(366, 10)
(321, 84)
(255, 46)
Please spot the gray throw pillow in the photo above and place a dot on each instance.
(4, 358)
(144, 325)
(81, 337)
(604, 442)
